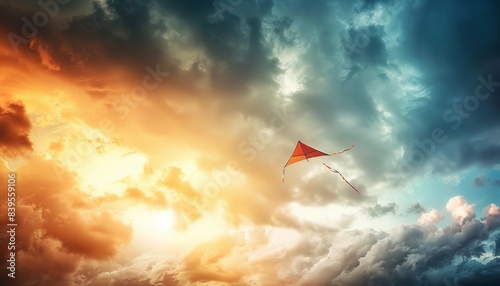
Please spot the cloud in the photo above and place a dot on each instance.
(430, 218)
(60, 225)
(477, 273)
(183, 198)
(481, 181)
(324, 188)
(379, 210)
(415, 209)
(492, 216)
(394, 258)
(460, 210)
(144, 270)
(45, 57)
(408, 254)
(497, 246)
(447, 80)
(15, 127)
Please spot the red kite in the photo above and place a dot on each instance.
(305, 152)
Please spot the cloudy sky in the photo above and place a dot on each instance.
(148, 140)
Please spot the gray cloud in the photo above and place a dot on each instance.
(379, 210)
(497, 246)
(448, 77)
(395, 258)
(415, 209)
(481, 181)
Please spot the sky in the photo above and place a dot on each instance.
(148, 140)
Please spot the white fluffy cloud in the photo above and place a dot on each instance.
(430, 218)
(460, 210)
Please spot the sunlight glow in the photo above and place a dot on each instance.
(104, 169)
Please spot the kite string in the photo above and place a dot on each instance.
(337, 172)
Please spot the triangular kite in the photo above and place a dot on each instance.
(304, 152)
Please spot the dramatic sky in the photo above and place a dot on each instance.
(148, 139)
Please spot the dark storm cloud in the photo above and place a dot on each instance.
(25, 19)
(370, 4)
(100, 36)
(380, 210)
(15, 127)
(115, 34)
(365, 46)
(473, 273)
(415, 209)
(452, 46)
(234, 45)
(86, 37)
(497, 246)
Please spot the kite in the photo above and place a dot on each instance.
(305, 152)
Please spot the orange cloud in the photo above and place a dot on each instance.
(43, 52)
(58, 228)
(15, 127)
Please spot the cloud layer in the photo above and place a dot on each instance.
(148, 138)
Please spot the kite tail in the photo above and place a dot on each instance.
(283, 176)
(337, 172)
(345, 150)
